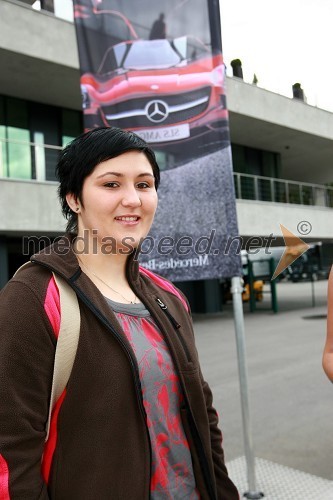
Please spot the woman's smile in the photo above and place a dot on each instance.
(128, 220)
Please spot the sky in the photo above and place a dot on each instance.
(282, 42)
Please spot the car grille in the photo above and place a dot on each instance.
(182, 107)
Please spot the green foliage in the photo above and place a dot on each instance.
(236, 62)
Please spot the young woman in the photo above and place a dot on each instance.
(136, 419)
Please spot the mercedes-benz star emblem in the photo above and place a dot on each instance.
(157, 111)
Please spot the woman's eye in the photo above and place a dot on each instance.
(111, 184)
(143, 185)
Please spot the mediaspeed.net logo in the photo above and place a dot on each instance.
(294, 246)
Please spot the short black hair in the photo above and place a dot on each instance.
(79, 158)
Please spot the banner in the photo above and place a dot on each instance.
(156, 68)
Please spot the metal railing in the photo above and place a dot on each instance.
(257, 187)
(28, 160)
(37, 161)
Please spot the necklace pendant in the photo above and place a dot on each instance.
(106, 284)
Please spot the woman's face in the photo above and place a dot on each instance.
(119, 200)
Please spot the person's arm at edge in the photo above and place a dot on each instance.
(328, 349)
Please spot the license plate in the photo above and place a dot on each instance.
(165, 134)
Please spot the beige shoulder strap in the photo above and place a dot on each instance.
(67, 343)
(26, 264)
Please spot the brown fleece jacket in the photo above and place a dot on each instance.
(101, 440)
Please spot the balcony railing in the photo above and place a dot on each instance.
(37, 161)
(256, 187)
(28, 160)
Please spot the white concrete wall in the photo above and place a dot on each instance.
(260, 218)
(33, 207)
(30, 207)
(38, 56)
(255, 102)
(37, 34)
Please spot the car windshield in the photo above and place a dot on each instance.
(151, 54)
(190, 48)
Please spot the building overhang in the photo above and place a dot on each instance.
(43, 66)
(301, 133)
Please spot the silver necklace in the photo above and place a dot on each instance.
(106, 284)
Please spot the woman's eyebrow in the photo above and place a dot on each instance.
(118, 174)
(146, 174)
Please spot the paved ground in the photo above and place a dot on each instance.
(291, 399)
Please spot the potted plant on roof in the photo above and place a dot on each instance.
(298, 92)
(237, 70)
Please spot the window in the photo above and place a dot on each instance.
(255, 161)
(31, 135)
(71, 122)
(18, 135)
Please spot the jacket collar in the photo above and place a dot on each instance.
(61, 259)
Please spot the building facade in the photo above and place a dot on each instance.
(282, 147)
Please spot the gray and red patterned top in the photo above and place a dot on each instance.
(172, 472)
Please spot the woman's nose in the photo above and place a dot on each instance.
(131, 198)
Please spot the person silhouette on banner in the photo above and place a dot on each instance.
(158, 29)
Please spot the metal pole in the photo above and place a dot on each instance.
(251, 286)
(287, 191)
(239, 185)
(313, 289)
(275, 306)
(236, 290)
(256, 189)
(272, 190)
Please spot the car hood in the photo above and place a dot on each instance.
(138, 83)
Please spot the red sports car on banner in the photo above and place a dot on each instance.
(163, 90)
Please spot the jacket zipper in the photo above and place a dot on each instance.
(137, 382)
(194, 429)
(176, 326)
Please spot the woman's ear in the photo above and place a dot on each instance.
(73, 202)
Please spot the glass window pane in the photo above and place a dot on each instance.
(330, 198)
(294, 193)
(280, 192)
(3, 143)
(307, 195)
(71, 125)
(264, 189)
(236, 186)
(39, 156)
(44, 122)
(247, 187)
(18, 134)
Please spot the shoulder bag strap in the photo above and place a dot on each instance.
(67, 343)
